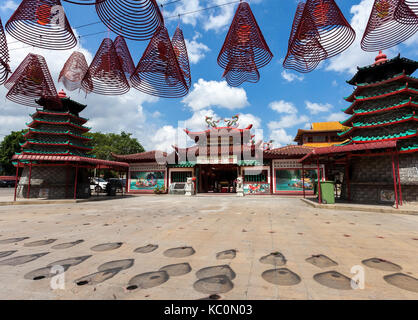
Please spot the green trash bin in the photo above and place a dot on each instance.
(328, 192)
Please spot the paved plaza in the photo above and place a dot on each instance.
(172, 247)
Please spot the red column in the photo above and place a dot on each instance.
(394, 181)
(17, 176)
(30, 178)
(319, 182)
(75, 182)
(399, 180)
(303, 180)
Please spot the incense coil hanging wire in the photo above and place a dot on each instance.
(158, 72)
(244, 35)
(238, 72)
(84, 2)
(305, 52)
(30, 81)
(407, 12)
(4, 56)
(105, 75)
(74, 71)
(180, 49)
(335, 34)
(384, 30)
(133, 19)
(124, 56)
(42, 24)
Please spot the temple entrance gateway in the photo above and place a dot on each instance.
(218, 178)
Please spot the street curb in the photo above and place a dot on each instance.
(41, 202)
(364, 208)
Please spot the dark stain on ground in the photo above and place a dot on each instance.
(208, 272)
(148, 280)
(39, 243)
(13, 240)
(70, 261)
(146, 249)
(5, 254)
(380, 264)
(67, 245)
(214, 285)
(117, 264)
(177, 270)
(321, 261)
(43, 273)
(212, 297)
(16, 261)
(334, 280)
(274, 258)
(281, 277)
(96, 278)
(107, 246)
(181, 252)
(402, 281)
(228, 254)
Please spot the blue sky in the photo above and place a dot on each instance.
(280, 103)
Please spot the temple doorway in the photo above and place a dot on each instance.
(218, 178)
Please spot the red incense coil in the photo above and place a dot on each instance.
(407, 12)
(84, 2)
(158, 72)
(4, 56)
(180, 49)
(30, 81)
(237, 76)
(42, 24)
(74, 71)
(105, 75)
(244, 35)
(133, 19)
(124, 56)
(390, 23)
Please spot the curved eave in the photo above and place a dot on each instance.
(59, 114)
(69, 134)
(216, 130)
(27, 143)
(68, 123)
(385, 140)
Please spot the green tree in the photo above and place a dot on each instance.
(8, 147)
(106, 143)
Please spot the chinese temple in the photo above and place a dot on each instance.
(321, 134)
(381, 153)
(55, 155)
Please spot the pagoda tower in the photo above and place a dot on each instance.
(384, 108)
(56, 132)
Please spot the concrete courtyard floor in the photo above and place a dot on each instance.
(253, 226)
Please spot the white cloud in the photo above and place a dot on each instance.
(283, 107)
(196, 50)
(338, 116)
(9, 5)
(290, 77)
(280, 138)
(207, 94)
(186, 6)
(315, 108)
(287, 121)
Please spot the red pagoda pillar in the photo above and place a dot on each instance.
(30, 178)
(16, 180)
(394, 181)
(75, 182)
(319, 182)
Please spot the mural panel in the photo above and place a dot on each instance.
(147, 180)
(291, 180)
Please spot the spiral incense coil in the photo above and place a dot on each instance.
(42, 24)
(391, 22)
(236, 76)
(244, 35)
(335, 34)
(133, 19)
(4, 56)
(407, 12)
(74, 71)
(84, 2)
(124, 56)
(105, 75)
(30, 81)
(305, 52)
(180, 49)
(158, 72)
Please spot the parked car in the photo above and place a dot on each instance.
(98, 184)
(7, 183)
(119, 184)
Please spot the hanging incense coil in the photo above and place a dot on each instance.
(4, 56)
(105, 75)
(74, 71)
(124, 56)
(305, 52)
(30, 81)
(42, 24)
(180, 49)
(158, 72)
(84, 2)
(133, 19)
(244, 35)
(407, 12)
(241, 69)
(390, 23)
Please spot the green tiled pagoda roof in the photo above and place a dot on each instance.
(183, 164)
(413, 147)
(59, 122)
(58, 113)
(401, 135)
(52, 153)
(51, 143)
(376, 123)
(249, 163)
(68, 132)
(365, 84)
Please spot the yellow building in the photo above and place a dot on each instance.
(321, 134)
